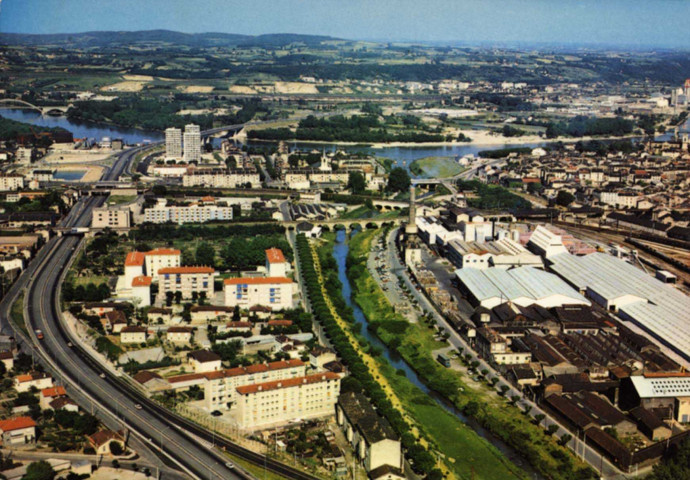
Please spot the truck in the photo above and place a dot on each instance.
(443, 359)
(39, 334)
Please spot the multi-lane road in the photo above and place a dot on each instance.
(184, 443)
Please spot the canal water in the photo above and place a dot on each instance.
(340, 251)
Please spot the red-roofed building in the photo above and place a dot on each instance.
(141, 290)
(276, 265)
(23, 383)
(134, 266)
(273, 292)
(220, 386)
(186, 280)
(18, 431)
(300, 398)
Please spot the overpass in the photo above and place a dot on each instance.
(45, 110)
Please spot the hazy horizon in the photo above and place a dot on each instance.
(625, 23)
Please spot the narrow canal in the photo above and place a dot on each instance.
(340, 252)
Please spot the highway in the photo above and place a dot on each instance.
(188, 445)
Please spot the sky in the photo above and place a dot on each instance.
(637, 23)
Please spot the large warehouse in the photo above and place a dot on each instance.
(657, 308)
(523, 286)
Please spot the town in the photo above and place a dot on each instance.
(305, 257)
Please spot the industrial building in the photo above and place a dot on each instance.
(523, 286)
(657, 308)
(504, 253)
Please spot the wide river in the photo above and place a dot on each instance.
(401, 156)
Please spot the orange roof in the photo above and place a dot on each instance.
(185, 270)
(53, 392)
(665, 374)
(280, 323)
(256, 280)
(164, 251)
(257, 368)
(16, 424)
(142, 281)
(290, 382)
(208, 198)
(24, 378)
(186, 377)
(135, 259)
(275, 255)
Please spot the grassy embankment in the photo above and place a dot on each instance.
(17, 313)
(436, 167)
(460, 448)
(415, 343)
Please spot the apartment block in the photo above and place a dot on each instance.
(192, 143)
(273, 292)
(220, 388)
(173, 143)
(186, 214)
(9, 181)
(186, 280)
(111, 217)
(280, 402)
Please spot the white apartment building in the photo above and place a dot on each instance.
(280, 402)
(220, 387)
(276, 265)
(273, 292)
(188, 214)
(169, 171)
(186, 280)
(24, 155)
(225, 179)
(173, 143)
(192, 143)
(111, 217)
(9, 181)
(141, 290)
(161, 258)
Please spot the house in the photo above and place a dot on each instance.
(64, 403)
(204, 361)
(101, 441)
(114, 321)
(207, 313)
(239, 327)
(151, 381)
(133, 334)
(373, 439)
(101, 308)
(141, 290)
(320, 356)
(159, 315)
(179, 334)
(18, 432)
(50, 394)
(309, 230)
(39, 380)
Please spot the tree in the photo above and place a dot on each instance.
(356, 182)
(564, 198)
(539, 418)
(159, 190)
(398, 180)
(205, 254)
(116, 449)
(236, 315)
(565, 438)
(39, 471)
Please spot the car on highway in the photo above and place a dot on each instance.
(138, 406)
(230, 465)
(102, 375)
(39, 334)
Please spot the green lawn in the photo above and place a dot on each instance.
(17, 313)
(436, 167)
(121, 199)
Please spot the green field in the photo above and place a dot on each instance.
(436, 167)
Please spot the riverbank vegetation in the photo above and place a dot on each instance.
(357, 128)
(492, 197)
(416, 342)
(436, 167)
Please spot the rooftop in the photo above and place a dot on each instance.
(16, 424)
(256, 280)
(287, 383)
(275, 255)
(185, 270)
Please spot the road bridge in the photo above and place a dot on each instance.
(45, 110)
